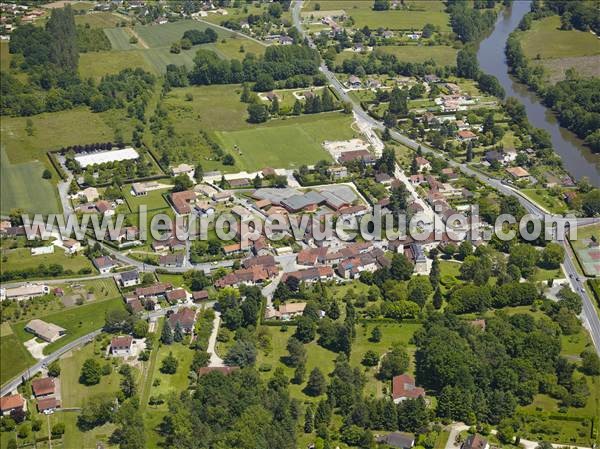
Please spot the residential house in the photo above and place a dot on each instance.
(121, 346)
(518, 172)
(429, 79)
(185, 317)
(129, 278)
(338, 173)
(172, 260)
(10, 403)
(46, 331)
(222, 197)
(181, 201)
(569, 196)
(417, 180)
(475, 442)
(403, 387)
(417, 256)
(200, 295)
(241, 212)
(154, 290)
(354, 82)
(383, 178)
(105, 208)
(310, 274)
(24, 292)
(248, 276)
(89, 194)
(239, 183)
(266, 260)
(466, 135)
(104, 264)
(43, 387)
(71, 246)
(48, 405)
(183, 169)
(400, 440)
(286, 312)
(449, 173)
(177, 295)
(422, 164)
(357, 155)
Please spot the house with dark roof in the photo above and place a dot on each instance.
(200, 295)
(154, 290)
(129, 278)
(310, 274)
(401, 440)
(185, 317)
(357, 155)
(172, 260)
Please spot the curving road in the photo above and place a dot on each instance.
(589, 315)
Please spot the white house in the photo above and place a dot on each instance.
(121, 346)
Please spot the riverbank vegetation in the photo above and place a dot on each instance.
(574, 99)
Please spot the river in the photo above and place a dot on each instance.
(577, 158)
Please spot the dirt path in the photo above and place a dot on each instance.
(140, 41)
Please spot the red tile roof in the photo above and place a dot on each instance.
(199, 295)
(403, 386)
(12, 402)
(176, 295)
(185, 317)
(47, 404)
(181, 201)
(42, 387)
(121, 342)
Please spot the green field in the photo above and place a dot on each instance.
(15, 357)
(78, 321)
(391, 333)
(442, 54)
(22, 186)
(417, 14)
(546, 40)
(101, 63)
(21, 258)
(287, 143)
(99, 19)
(155, 42)
(172, 383)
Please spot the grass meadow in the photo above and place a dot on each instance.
(417, 14)
(442, 54)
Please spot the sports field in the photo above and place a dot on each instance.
(287, 143)
(587, 249)
(22, 186)
(415, 16)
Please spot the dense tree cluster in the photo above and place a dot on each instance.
(238, 410)
(278, 62)
(470, 23)
(578, 14)
(197, 37)
(483, 376)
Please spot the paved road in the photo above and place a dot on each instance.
(589, 315)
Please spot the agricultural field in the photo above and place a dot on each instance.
(415, 15)
(22, 186)
(98, 64)
(557, 50)
(152, 51)
(100, 19)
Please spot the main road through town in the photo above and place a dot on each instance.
(589, 314)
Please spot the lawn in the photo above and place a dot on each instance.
(21, 258)
(391, 333)
(15, 357)
(154, 200)
(317, 357)
(119, 39)
(551, 203)
(99, 19)
(54, 131)
(546, 40)
(287, 143)
(22, 186)
(75, 394)
(415, 17)
(78, 321)
(177, 382)
(75, 438)
(442, 54)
